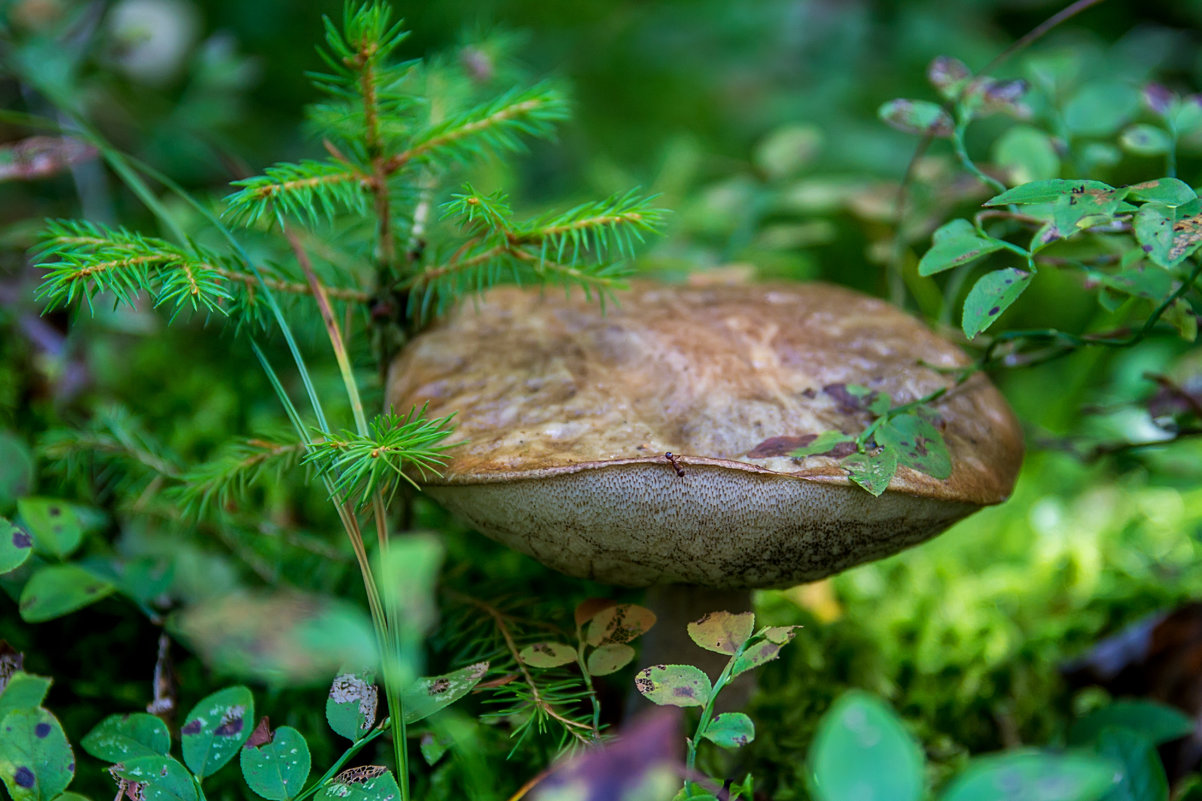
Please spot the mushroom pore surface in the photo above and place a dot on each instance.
(565, 414)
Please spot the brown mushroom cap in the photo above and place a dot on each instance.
(567, 412)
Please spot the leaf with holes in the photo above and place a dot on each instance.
(121, 737)
(547, 654)
(619, 624)
(953, 246)
(216, 728)
(432, 693)
(730, 730)
(860, 730)
(55, 590)
(722, 632)
(15, 546)
(1169, 235)
(766, 648)
(873, 471)
(161, 778)
(351, 704)
(367, 783)
(674, 685)
(917, 443)
(53, 524)
(1048, 191)
(609, 658)
(23, 691)
(36, 762)
(278, 768)
(1028, 774)
(991, 295)
(917, 117)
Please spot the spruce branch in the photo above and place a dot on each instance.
(596, 228)
(311, 190)
(235, 468)
(493, 126)
(83, 259)
(357, 465)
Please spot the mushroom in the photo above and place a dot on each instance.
(649, 444)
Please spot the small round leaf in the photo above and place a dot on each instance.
(121, 737)
(216, 728)
(722, 632)
(53, 524)
(674, 685)
(351, 704)
(15, 546)
(277, 769)
(56, 590)
(36, 762)
(859, 731)
(620, 623)
(547, 654)
(162, 778)
(609, 658)
(730, 730)
(990, 296)
(1032, 775)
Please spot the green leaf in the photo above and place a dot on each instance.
(1146, 140)
(952, 251)
(55, 590)
(162, 778)
(609, 658)
(15, 546)
(277, 769)
(730, 730)
(16, 470)
(722, 632)
(1032, 776)
(619, 624)
(1048, 191)
(121, 737)
(23, 691)
(1157, 722)
(764, 649)
(432, 693)
(1028, 154)
(991, 295)
(861, 750)
(216, 728)
(1141, 281)
(1099, 108)
(1180, 315)
(367, 783)
(873, 471)
(674, 685)
(36, 762)
(351, 704)
(53, 525)
(786, 151)
(1141, 775)
(433, 748)
(1169, 235)
(1171, 192)
(917, 443)
(823, 443)
(917, 117)
(547, 654)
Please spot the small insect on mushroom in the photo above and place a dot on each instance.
(674, 459)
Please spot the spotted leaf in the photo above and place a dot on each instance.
(216, 728)
(36, 762)
(547, 654)
(674, 685)
(15, 546)
(118, 738)
(619, 624)
(351, 704)
(53, 524)
(991, 295)
(730, 730)
(161, 778)
(56, 590)
(917, 443)
(609, 658)
(766, 648)
(722, 632)
(432, 693)
(277, 769)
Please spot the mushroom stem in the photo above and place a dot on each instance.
(668, 641)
